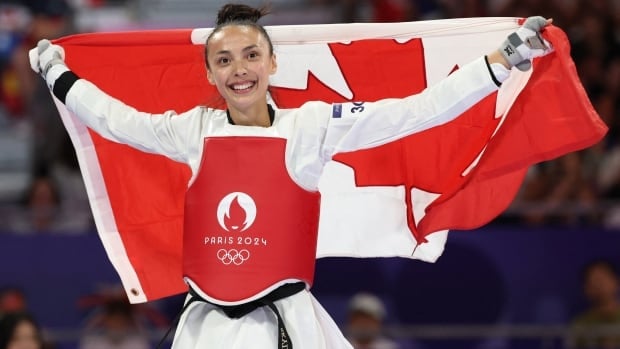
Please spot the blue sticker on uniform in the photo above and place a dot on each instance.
(337, 110)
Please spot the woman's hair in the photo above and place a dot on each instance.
(237, 14)
(9, 323)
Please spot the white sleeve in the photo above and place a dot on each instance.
(359, 125)
(167, 134)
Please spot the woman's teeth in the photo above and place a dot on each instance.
(243, 86)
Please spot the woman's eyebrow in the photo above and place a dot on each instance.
(243, 50)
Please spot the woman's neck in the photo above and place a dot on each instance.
(256, 115)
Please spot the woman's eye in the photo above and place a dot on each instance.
(223, 60)
(252, 55)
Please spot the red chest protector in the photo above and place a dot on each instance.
(247, 224)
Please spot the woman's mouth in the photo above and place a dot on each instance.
(242, 87)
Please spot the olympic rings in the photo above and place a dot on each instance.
(233, 256)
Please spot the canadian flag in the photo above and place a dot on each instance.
(398, 199)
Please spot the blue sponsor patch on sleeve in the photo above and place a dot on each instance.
(336, 110)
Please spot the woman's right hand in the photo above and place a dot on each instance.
(45, 56)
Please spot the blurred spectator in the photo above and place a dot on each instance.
(43, 203)
(50, 148)
(51, 19)
(42, 211)
(458, 9)
(114, 327)
(525, 8)
(601, 287)
(602, 162)
(364, 327)
(14, 21)
(39, 19)
(557, 192)
(596, 50)
(114, 323)
(12, 300)
(581, 187)
(19, 331)
(379, 10)
(596, 45)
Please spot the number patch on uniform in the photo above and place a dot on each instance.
(347, 109)
(358, 107)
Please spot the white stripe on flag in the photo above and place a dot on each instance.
(100, 204)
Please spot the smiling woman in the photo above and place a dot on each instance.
(248, 255)
(240, 59)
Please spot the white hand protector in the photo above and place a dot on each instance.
(526, 43)
(45, 56)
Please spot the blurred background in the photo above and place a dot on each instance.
(542, 275)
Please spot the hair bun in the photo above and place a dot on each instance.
(232, 13)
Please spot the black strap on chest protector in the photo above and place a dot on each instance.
(238, 311)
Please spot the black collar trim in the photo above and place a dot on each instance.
(272, 115)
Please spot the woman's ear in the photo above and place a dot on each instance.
(210, 77)
(274, 64)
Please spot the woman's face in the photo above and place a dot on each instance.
(25, 337)
(240, 64)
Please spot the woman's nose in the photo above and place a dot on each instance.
(240, 68)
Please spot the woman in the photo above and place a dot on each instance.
(257, 295)
(19, 331)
